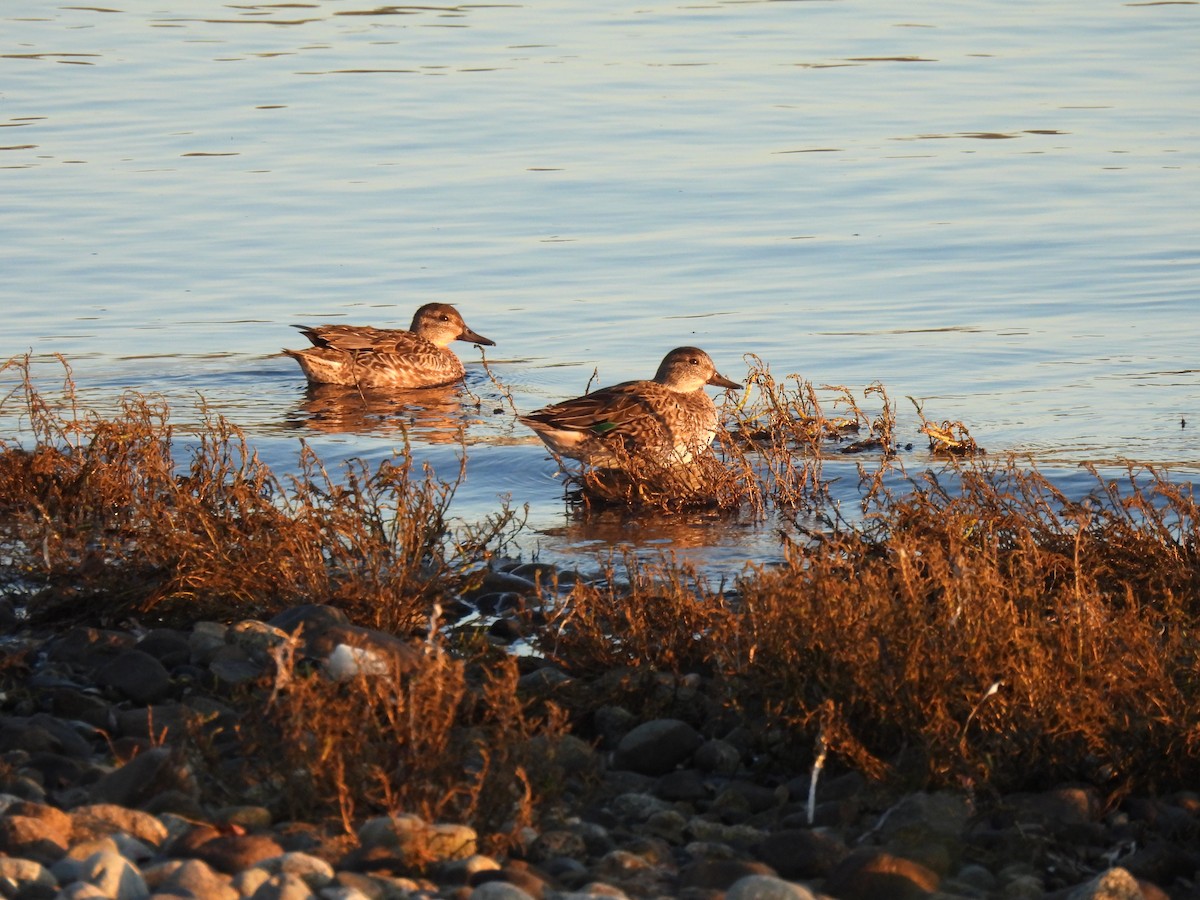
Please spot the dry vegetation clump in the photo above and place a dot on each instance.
(1001, 633)
(782, 433)
(100, 517)
(100, 524)
(649, 485)
(947, 438)
(448, 740)
(1007, 635)
(665, 616)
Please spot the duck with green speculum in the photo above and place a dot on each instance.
(385, 357)
(668, 419)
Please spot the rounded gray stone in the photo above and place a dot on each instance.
(657, 747)
(766, 887)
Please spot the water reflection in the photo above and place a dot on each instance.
(438, 415)
(676, 532)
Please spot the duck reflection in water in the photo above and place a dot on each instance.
(438, 415)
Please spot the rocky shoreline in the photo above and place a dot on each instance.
(96, 801)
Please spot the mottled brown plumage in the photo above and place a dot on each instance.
(668, 419)
(388, 358)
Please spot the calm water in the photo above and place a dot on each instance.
(989, 206)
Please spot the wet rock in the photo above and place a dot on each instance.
(802, 853)
(34, 831)
(748, 797)
(1063, 806)
(683, 785)
(1026, 887)
(558, 843)
(114, 875)
(244, 818)
(157, 722)
(234, 853)
(502, 582)
(1166, 818)
(412, 843)
(941, 815)
(87, 647)
(667, 824)
(26, 876)
(596, 837)
(501, 890)
(258, 639)
(737, 835)
(657, 747)
(190, 877)
(146, 775)
(869, 873)
(532, 882)
(593, 890)
(70, 867)
(543, 680)
(81, 890)
(1115, 884)
(571, 874)
(175, 802)
(205, 639)
(358, 885)
(541, 573)
(766, 887)
(168, 646)
(22, 733)
(329, 636)
(314, 872)
(309, 620)
(247, 882)
(506, 630)
(976, 878)
(719, 757)
(636, 807)
(720, 874)
(927, 829)
(284, 886)
(1162, 862)
(104, 819)
(76, 702)
(611, 723)
(60, 775)
(339, 892)
(233, 666)
(497, 602)
(135, 675)
(461, 871)
(619, 864)
(32, 838)
(19, 784)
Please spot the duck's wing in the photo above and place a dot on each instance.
(619, 410)
(355, 338)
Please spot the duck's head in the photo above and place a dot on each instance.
(441, 324)
(688, 369)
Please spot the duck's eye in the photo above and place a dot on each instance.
(445, 318)
(694, 361)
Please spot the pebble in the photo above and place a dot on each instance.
(661, 807)
(766, 887)
(656, 747)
